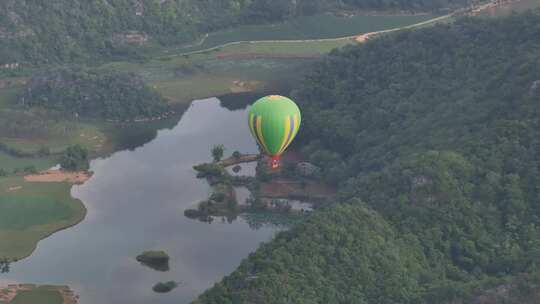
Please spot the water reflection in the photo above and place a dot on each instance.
(4, 267)
(129, 136)
(239, 101)
(135, 203)
(243, 169)
(242, 196)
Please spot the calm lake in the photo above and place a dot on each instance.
(135, 202)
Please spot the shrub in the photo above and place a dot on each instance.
(75, 158)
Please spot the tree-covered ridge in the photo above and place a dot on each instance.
(468, 87)
(50, 31)
(438, 132)
(94, 94)
(347, 255)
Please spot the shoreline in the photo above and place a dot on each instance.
(75, 222)
(77, 178)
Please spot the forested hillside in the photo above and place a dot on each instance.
(433, 137)
(51, 31)
(93, 93)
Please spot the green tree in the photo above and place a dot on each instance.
(30, 169)
(217, 152)
(93, 93)
(75, 158)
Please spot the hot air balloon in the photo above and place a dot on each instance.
(274, 121)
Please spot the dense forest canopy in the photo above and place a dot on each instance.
(433, 137)
(51, 31)
(94, 94)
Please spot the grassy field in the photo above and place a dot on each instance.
(310, 27)
(59, 136)
(28, 131)
(30, 212)
(10, 163)
(229, 75)
(182, 78)
(308, 48)
(40, 295)
(8, 96)
(187, 89)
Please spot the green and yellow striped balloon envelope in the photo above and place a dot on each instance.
(274, 121)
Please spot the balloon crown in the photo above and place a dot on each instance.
(275, 97)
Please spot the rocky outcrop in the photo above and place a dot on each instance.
(421, 180)
(9, 66)
(534, 89)
(157, 260)
(131, 37)
(522, 290)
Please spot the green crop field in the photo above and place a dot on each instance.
(32, 211)
(306, 48)
(29, 131)
(310, 27)
(8, 96)
(40, 295)
(60, 135)
(9, 163)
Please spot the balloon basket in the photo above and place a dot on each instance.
(275, 163)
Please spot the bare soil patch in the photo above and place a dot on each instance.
(238, 160)
(59, 176)
(245, 86)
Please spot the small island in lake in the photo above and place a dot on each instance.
(165, 287)
(285, 191)
(157, 260)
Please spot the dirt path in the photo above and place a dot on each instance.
(239, 86)
(59, 176)
(235, 161)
